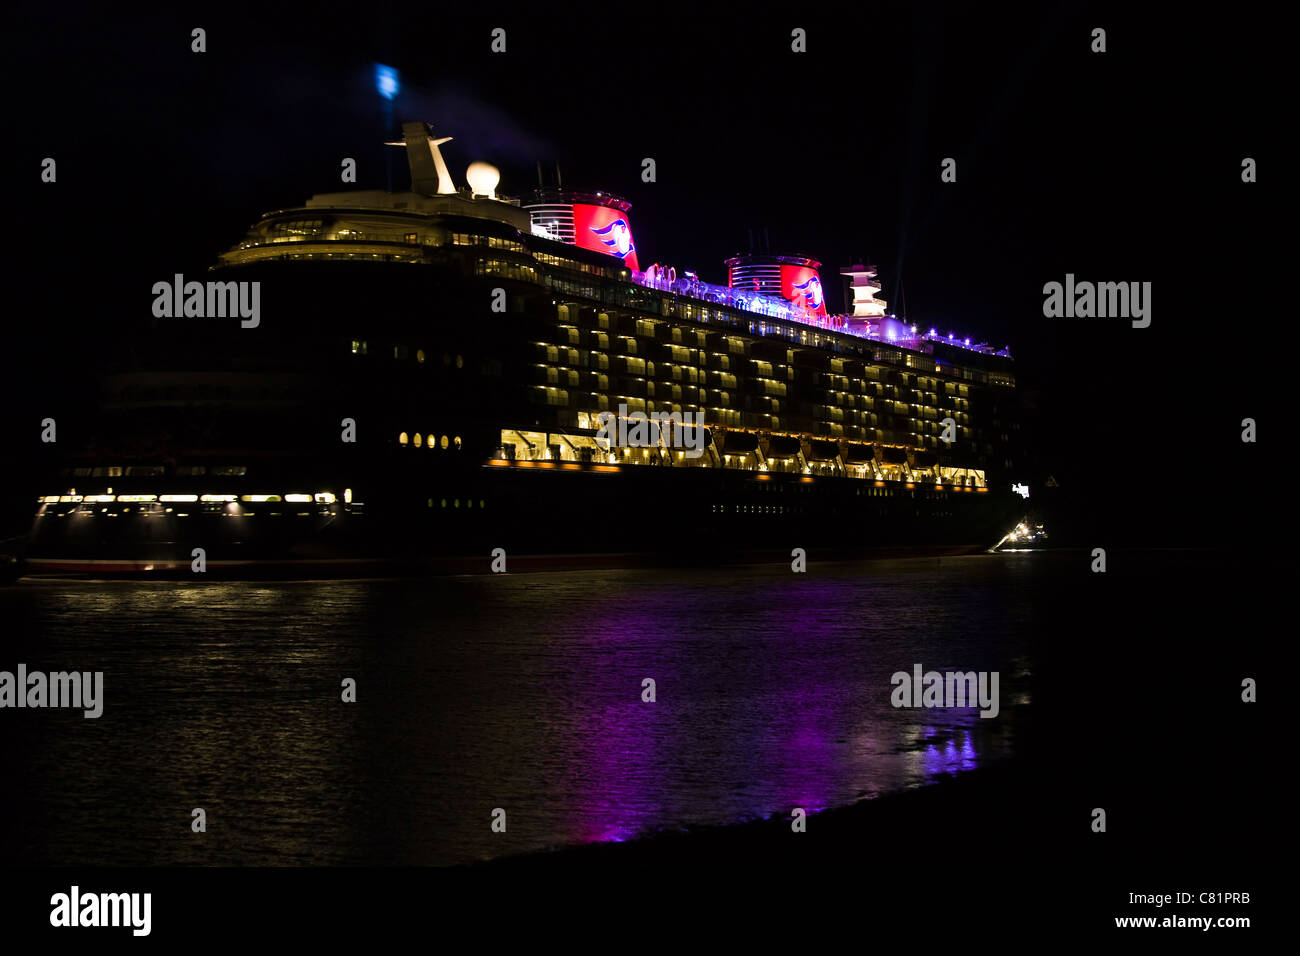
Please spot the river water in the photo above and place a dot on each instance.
(514, 692)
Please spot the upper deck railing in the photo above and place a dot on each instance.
(779, 308)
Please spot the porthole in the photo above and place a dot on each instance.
(419, 442)
(402, 439)
(445, 442)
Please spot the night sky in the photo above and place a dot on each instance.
(1122, 166)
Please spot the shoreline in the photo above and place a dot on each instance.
(984, 805)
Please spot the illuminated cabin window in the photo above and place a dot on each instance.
(432, 443)
(492, 242)
(456, 442)
(296, 230)
(419, 442)
(402, 439)
(512, 270)
(358, 347)
(444, 442)
(549, 395)
(419, 356)
(460, 362)
(412, 239)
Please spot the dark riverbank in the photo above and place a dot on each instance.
(978, 808)
(1001, 853)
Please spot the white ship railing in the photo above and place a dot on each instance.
(779, 308)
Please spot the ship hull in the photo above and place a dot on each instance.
(528, 517)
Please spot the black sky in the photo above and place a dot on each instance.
(1122, 166)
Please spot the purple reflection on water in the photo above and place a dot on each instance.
(788, 710)
(949, 756)
(616, 777)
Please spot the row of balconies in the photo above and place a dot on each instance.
(757, 419)
(606, 392)
(772, 349)
(629, 373)
(897, 386)
(644, 364)
(652, 350)
(723, 340)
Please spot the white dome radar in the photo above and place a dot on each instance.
(483, 179)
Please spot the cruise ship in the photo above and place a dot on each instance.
(452, 379)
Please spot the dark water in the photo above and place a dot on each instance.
(521, 692)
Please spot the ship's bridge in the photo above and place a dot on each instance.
(369, 224)
(374, 224)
